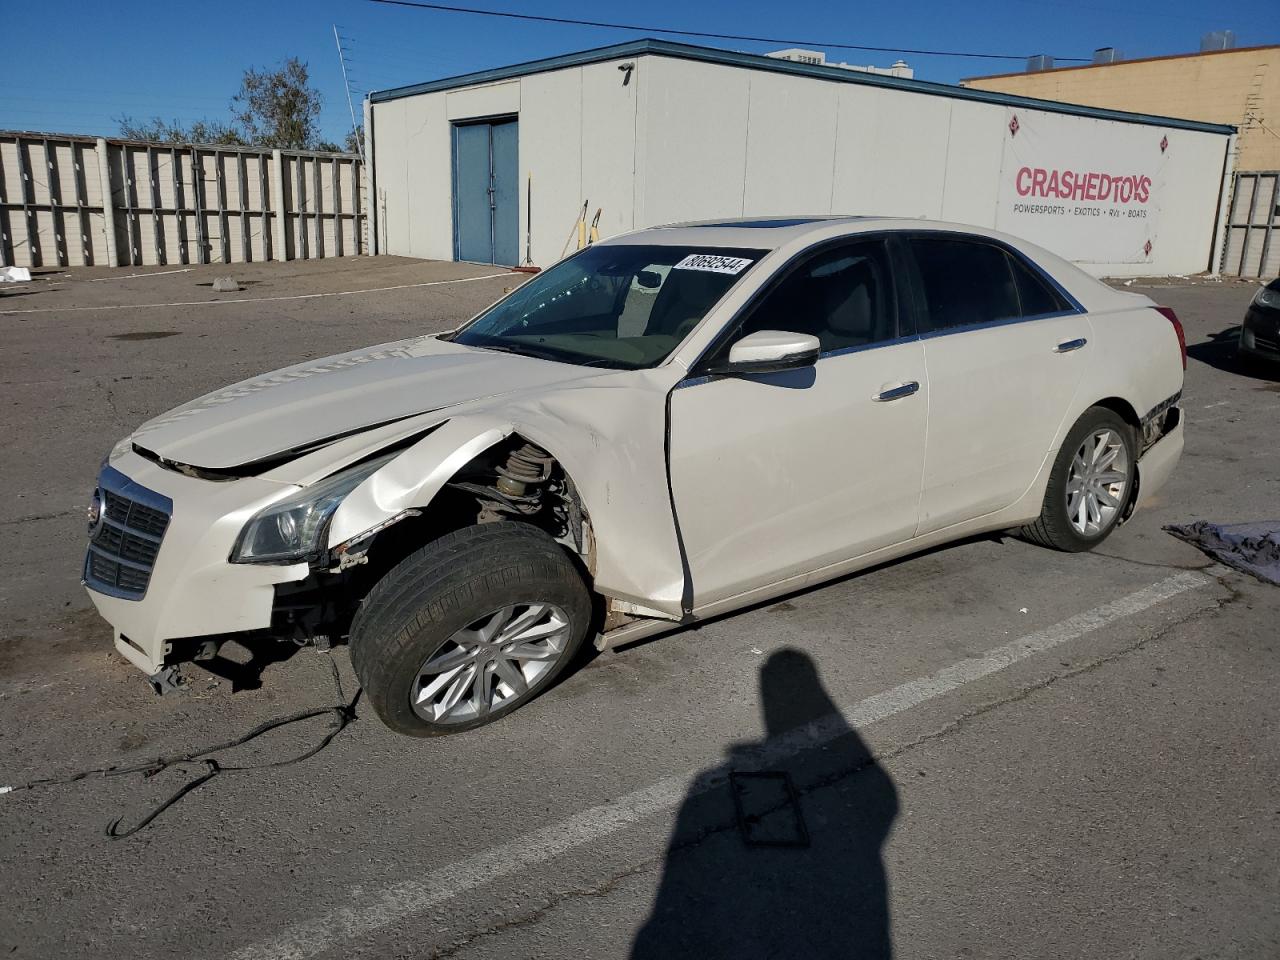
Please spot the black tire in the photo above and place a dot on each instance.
(454, 582)
(1053, 528)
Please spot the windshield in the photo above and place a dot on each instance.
(619, 306)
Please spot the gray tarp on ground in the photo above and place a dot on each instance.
(1252, 548)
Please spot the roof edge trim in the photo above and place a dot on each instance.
(752, 61)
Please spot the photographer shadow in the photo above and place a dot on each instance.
(777, 851)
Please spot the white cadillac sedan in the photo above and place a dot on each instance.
(664, 427)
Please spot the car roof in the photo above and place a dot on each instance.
(774, 232)
(784, 236)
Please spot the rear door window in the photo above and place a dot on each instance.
(964, 282)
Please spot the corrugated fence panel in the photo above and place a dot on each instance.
(1253, 227)
(172, 203)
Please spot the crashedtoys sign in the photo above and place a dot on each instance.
(1082, 185)
(1088, 199)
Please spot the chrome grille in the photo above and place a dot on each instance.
(134, 514)
(124, 544)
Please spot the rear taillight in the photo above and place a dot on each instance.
(1177, 328)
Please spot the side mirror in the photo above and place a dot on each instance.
(771, 351)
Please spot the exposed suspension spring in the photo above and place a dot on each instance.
(527, 466)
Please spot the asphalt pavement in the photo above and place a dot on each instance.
(986, 750)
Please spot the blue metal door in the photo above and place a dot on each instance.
(506, 193)
(486, 192)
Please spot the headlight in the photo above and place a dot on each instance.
(1266, 297)
(292, 529)
(123, 446)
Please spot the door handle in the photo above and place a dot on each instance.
(898, 392)
(1066, 346)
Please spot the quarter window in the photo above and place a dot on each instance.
(967, 281)
(1036, 296)
(843, 296)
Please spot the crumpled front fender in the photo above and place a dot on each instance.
(415, 477)
(609, 441)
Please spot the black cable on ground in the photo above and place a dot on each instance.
(344, 712)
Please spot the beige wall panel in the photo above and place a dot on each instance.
(37, 235)
(392, 128)
(10, 180)
(971, 163)
(98, 236)
(172, 239)
(330, 238)
(552, 141)
(92, 182)
(608, 155)
(347, 186)
(695, 127)
(493, 100)
(235, 251)
(165, 169)
(427, 190)
(33, 158)
(231, 180)
(145, 238)
(883, 165)
(791, 145)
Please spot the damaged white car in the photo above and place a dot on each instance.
(664, 427)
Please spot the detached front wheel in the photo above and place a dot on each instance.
(469, 628)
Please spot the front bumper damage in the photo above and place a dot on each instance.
(190, 590)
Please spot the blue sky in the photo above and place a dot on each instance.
(74, 67)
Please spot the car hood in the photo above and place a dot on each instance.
(272, 418)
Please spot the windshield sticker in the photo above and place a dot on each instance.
(712, 264)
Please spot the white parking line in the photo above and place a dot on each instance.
(296, 296)
(135, 276)
(394, 903)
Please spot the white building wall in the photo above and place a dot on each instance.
(551, 138)
(608, 153)
(694, 128)
(781, 137)
(577, 139)
(687, 140)
(883, 166)
(971, 161)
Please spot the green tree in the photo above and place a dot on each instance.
(274, 108)
(355, 140)
(278, 108)
(161, 131)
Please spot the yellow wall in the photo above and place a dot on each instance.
(1239, 87)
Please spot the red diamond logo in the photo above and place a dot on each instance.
(1164, 144)
(1013, 126)
(1147, 248)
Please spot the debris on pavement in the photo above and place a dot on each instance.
(343, 712)
(225, 285)
(14, 275)
(1252, 548)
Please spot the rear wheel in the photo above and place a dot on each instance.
(469, 628)
(1090, 484)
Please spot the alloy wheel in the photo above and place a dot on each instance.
(1097, 482)
(490, 663)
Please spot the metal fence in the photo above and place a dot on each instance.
(83, 201)
(1253, 226)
